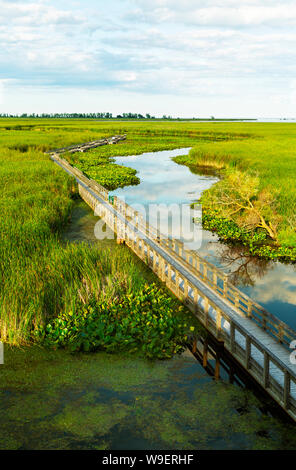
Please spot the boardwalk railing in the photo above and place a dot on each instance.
(217, 280)
(254, 337)
(89, 145)
(206, 271)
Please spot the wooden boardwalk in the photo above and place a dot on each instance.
(89, 145)
(258, 340)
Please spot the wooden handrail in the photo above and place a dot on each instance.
(240, 301)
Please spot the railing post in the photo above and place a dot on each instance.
(215, 279)
(218, 324)
(185, 289)
(263, 321)
(173, 244)
(148, 255)
(266, 370)
(249, 314)
(280, 334)
(236, 300)
(206, 311)
(195, 297)
(225, 285)
(169, 274)
(162, 265)
(154, 261)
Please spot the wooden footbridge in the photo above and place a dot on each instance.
(256, 339)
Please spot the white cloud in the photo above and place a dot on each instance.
(226, 13)
(208, 50)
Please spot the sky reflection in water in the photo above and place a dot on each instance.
(271, 284)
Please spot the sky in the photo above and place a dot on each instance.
(187, 58)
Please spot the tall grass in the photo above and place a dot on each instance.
(271, 155)
(40, 275)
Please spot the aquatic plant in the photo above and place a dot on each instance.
(40, 275)
(146, 321)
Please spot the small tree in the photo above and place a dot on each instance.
(238, 197)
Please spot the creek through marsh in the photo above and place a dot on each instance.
(58, 400)
(271, 284)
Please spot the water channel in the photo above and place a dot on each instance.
(58, 400)
(271, 284)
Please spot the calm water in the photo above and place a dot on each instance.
(57, 400)
(271, 284)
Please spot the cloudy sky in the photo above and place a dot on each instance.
(180, 57)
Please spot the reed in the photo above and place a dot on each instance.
(41, 276)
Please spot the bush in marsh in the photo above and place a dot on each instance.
(268, 156)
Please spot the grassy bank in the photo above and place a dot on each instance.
(255, 201)
(42, 277)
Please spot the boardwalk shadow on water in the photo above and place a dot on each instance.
(57, 400)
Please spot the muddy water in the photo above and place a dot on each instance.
(271, 284)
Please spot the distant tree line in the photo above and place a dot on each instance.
(84, 116)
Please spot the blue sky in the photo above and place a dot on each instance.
(184, 58)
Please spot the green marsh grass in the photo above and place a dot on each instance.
(41, 276)
(271, 155)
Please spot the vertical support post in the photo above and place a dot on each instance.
(206, 311)
(225, 286)
(215, 279)
(185, 294)
(195, 296)
(218, 325)
(217, 365)
(194, 345)
(236, 300)
(249, 313)
(263, 322)
(266, 370)
(280, 334)
(248, 352)
(173, 244)
(169, 274)
(148, 255)
(162, 269)
(205, 353)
